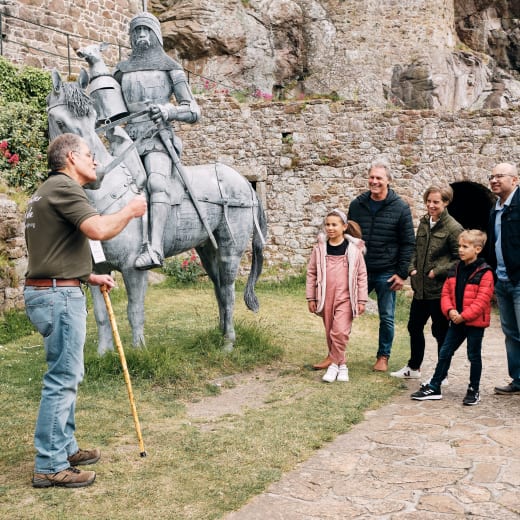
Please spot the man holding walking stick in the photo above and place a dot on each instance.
(59, 223)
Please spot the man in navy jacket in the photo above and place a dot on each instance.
(504, 257)
(386, 223)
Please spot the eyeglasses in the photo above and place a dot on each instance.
(88, 155)
(499, 176)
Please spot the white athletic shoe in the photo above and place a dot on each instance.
(407, 373)
(342, 374)
(331, 374)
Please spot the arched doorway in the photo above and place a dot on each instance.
(471, 204)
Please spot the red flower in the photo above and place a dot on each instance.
(7, 154)
(14, 159)
(3, 145)
(184, 264)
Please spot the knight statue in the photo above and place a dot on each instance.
(149, 78)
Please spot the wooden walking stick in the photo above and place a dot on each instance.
(121, 352)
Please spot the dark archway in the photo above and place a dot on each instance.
(471, 204)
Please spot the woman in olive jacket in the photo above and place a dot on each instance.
(436, 251)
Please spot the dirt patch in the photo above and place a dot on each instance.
(238, 393)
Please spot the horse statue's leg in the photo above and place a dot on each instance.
(136, 282)
(105, 337)
(222, 273)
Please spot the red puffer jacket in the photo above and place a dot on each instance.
(477, 295)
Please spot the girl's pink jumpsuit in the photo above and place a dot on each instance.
(338, 284)
(337, 309)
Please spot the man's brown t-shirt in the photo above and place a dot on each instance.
(56, 246)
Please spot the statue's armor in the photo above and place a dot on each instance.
(142, 88)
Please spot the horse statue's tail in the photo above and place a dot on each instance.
(257, 262)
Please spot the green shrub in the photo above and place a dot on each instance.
(184, 269)
(23, 135)
(24, 85)
(23, 125)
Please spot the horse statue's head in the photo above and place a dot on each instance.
(69, 108)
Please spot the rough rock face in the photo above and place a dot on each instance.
(376, 51)
(460, 80)
(492, 27)
(254, 45)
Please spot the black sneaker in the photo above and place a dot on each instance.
(426, 393)
(472, 397)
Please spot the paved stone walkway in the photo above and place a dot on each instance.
(433, 460)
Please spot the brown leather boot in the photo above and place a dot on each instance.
(381, 364)
(323, 364)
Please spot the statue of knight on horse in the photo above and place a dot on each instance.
(147, 80)
(210, 207)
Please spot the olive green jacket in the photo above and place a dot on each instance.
(435, 249)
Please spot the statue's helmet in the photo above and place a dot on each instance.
(148, 20)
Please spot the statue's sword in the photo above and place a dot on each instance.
(165, 137)
(120, 121)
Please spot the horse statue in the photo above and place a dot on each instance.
(232, 209)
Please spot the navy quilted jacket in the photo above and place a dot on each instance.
(388, 235)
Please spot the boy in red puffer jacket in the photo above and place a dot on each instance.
(466, 302)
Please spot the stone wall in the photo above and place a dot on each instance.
(67, 26)
(308, 157)
(13, 255)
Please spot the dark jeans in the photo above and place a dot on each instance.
(508, 296)
(386, 306)
(420, 311)
(454, 338)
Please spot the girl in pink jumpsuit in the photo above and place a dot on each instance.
(337, 287)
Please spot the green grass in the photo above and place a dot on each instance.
(197, 467)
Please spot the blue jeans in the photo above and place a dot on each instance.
(454, 339)
(59, 314)
(386, 307)
(508, 297)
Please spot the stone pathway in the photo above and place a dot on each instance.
(433, 460)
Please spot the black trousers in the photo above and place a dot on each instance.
(420, 311)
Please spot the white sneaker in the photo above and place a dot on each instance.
(342, 374)
(407, 373)
(331, 374)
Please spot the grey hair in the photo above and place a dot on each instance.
(508, 168)
(382, 163)
(59, 148)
